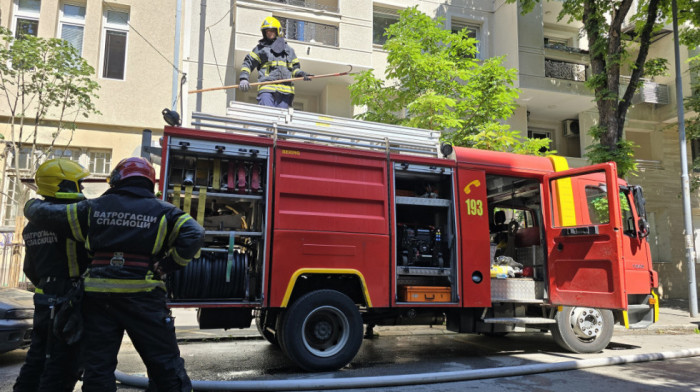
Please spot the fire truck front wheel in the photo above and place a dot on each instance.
(322, 331)
(583, 330)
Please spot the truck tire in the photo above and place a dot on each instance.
(583, 330)
(260, 315)
(322, 331)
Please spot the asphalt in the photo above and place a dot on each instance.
(674, 318)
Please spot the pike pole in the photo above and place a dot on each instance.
(274, 81)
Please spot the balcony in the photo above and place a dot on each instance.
(564, 70)
(648, 92)
(311, 32)
(323, 5)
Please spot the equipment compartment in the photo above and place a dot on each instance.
(425, 232)
(222, 186)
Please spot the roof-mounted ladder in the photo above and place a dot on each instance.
(290, 124)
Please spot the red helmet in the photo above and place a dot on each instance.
(132, 167)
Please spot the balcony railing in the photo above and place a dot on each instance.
(564, 48)
(306, 31)
(325, 5)
(564, 70)
(648, 92)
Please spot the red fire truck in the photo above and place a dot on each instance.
(321, 227)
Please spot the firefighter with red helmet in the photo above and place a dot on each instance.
(133, 237)
(53, 263)
(274, 60)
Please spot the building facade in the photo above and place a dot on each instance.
(331, 36)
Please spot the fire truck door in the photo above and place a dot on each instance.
(584, 237)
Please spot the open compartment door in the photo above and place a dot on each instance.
(584, 234)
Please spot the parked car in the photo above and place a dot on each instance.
(16, 314)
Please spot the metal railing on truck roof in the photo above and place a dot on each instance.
(290, 124)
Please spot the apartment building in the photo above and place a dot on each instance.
(329, 36)
(130, 44)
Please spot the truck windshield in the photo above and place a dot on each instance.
(597, 199)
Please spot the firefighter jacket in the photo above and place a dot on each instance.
(51, 256)
(126, 230)
(274, 60)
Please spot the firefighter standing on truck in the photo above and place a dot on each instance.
(274, 60)
(133, 237)
(53, 263)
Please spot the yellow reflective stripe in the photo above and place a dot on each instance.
(283, 88)
(347, 271)
(295, 61)
(245, 69)
(179, 259)
(255, 57)
(275, 64)
(72, 210)
(38, 290)
(87, 243)
(121, 285)
(565, 193)
(162, 229)
(295, 72)
(72, 255)
(176, 230)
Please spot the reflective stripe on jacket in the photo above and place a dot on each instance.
(272, 66)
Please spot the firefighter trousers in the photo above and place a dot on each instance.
(60, 371)
(147, 320)
(275, 99)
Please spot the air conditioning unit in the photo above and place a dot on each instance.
(570, 128)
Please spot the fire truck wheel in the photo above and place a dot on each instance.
(583, 330)
(263, 330)
(322, 331)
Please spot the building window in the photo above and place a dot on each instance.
(9, 202)
(72, 25)
(26, 17)
(302, 30)
(473, 31)
(382, 18)
(541, 134)
(116, 28)
(66, 153)
(100, 162)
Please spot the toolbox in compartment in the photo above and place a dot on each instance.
(424, 294)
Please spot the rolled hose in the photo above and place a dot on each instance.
(413, 379)
(205, 277)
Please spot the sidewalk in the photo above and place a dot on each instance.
(674, 318)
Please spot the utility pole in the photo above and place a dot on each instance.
(689, 248)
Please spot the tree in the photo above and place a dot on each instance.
(613, 50)
(434, 80)
(44, 84)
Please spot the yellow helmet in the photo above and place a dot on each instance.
(271, 23)
(60, 179)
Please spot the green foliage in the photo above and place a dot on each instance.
(615, 52)
(622, 154)
(434, 80)
(43, 80)
(600, 207)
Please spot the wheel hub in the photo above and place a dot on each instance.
(587, 323)
(325, 331)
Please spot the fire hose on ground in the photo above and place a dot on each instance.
(413, 379)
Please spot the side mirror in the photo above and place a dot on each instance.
(643, 226)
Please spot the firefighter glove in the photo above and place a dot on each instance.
(244, 85)
(307, 76)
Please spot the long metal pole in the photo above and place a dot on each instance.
(176, 56)
(689, 249)
(200, 59)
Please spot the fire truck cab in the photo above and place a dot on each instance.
(320, 228)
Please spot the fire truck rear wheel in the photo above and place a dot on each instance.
(583, 330)
(322, 331)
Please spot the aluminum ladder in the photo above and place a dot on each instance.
(290, 124)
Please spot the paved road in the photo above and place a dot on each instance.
(409, 353)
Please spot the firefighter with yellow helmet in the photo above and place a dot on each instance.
(133, 237)
(274, 60)
(53, 263)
